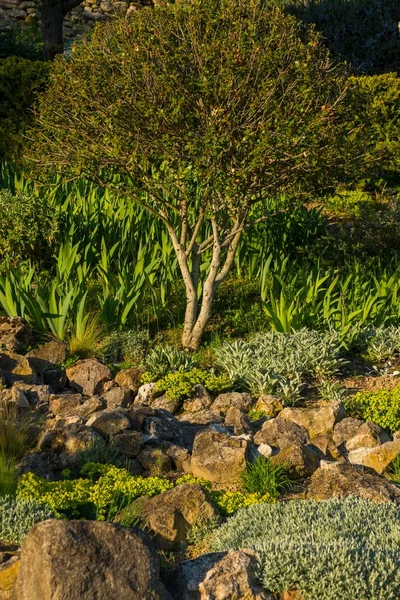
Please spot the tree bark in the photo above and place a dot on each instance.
(52, 17)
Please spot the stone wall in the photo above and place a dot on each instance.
(80, 20)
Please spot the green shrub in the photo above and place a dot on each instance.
(335, 550)
(126, 346)
(20, 82)
(18, 516)
(383, 343)
(381, 407)
(180, 384)
(230, 502)
(25, 42)
(164, 359)
(14, 443)
(29, 229)
(262, 477)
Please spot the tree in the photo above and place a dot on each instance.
(52, 13)
(199, 112)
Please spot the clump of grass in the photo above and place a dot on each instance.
(14, 443)
(262, 477)
(86, 337)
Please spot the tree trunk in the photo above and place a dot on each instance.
(52, 25)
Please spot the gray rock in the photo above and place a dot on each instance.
(223, 402)
(368, 435)
(202, 417)
(238, 421)
(108, 422)
(201, 400)
(345, 429)
(218, 457)
(15, 334)
(65, 404)
(130, 378)
(299, 460)
(128, 443)
(170, 515)
(218, 576)
(165, 403)
(145, 394)
(280, 433)
(72, 560)
(154, 460)
(88, 376)
(317, 421)
(118, 396)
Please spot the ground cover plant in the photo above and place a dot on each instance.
(18, 516)
(335, 549)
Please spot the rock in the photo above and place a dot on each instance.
(64, 404)
(338, 480)
(218, 576)
(50, 354)
(239, 422)
(265, 450)
(37, 395)
(129, 378)
(269, 405)
(345, 429)
(108, 422)
(201, 400)
(128, 443)
(70, 560)
(15, 367)
(88, 376)
(377, 458)
(55, 378)
(218, 457)
(15, 334)
(118, 396)
(299, 460)
(154, 460)
(90, 406)
(280, 433)
(171, 514)
(18, 396)
(165, 403)
(369, 435)
(8, 575)
(202, 417)
(318, 421)
(78, 439)
(223, 402)
(137, 416)
(179, 456)
(145, 394)
(324, 446)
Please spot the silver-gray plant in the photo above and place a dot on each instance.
(18, 516)
(336, 550)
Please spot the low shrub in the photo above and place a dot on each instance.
(335, 550)
(166, 359)
(180, 385)
(126, 346)
(18, 516)
(381, 407)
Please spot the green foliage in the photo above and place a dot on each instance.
(335, 550)
(275, 363)
(383, 343)
(99, 452)
(381, 407)
(166, 359)
(179, 385)
(20, 82)
(230, 502)
(29, 229)
(14, 443)
(262, 477)
(25, 42)
(126, 346)
(331, 390)
(18, 516)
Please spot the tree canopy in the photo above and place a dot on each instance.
(200, 111)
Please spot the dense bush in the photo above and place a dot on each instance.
(20, 82)
(25, 42)
(180, 385)
(126, 346)
(29, 229)
(335, 550)
(381, 407)
(18, 516)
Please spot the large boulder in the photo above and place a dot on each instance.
(345, 429)
(200, 400)
(8, 574)
(338, 480)
(71, 560)
(170, 515)
(318, 421)
(48, 355)
(128, 443)
(218, 576)
(218, 457)
(280, 433)
(15, 334)
(88, 376)
(223, 402)
(238, 421)
(64, 404)
(118, 396)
